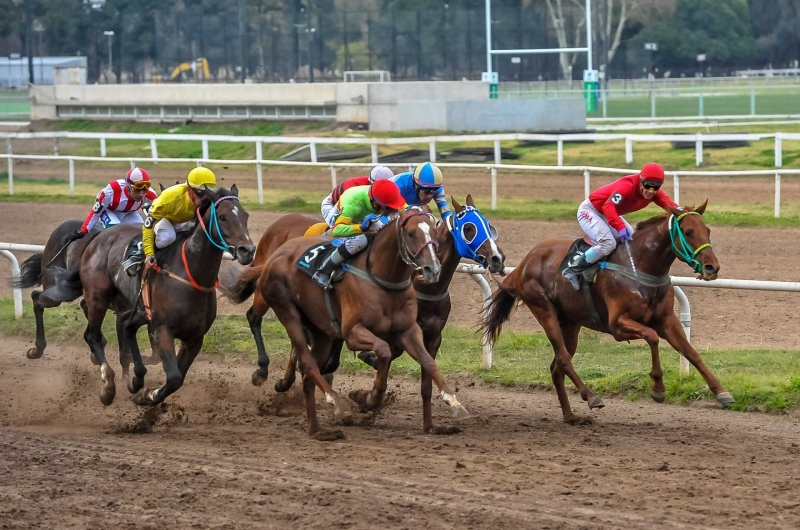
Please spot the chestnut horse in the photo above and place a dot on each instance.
(183, 291)
(627, 303)
(433, 299)
(373, 308)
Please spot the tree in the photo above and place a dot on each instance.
(12, 17)
(558, 17)
(776, 24)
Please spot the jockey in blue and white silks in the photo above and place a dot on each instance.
(418, 187)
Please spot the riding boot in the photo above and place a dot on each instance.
(333, 262)
(134, 261)
(574, 268)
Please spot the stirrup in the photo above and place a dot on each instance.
(322, 279)
(573, 276)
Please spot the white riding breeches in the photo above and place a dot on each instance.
(166, 233)
(597, 228)
(329, 210)
(109, 218)
(355, 244)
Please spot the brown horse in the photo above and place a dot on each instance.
(433, 299)
(183, 302)
(373, 308)
(626, 303)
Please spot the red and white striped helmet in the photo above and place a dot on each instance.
(137, 174)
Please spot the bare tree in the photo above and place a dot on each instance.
(612, 16)
(558, 18)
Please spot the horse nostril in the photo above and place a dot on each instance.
(709, 268)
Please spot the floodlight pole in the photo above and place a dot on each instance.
(589, 34)
(489, 36)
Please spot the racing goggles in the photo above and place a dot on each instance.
(139, 185)
(426, 191)
(652, 186)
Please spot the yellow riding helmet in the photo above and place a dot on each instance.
(200, 176)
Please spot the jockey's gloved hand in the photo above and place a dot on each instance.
(77, 234)
(365, 224)
(625, 234)
(149, 261)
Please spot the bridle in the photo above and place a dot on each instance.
(685, 251)
(213, 221)
(409, 257)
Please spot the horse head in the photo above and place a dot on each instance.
(691, 241)
(415, 230)
(475, 236)
(226, 219)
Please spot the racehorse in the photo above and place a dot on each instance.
(476, 241)
(627, 302)
(373, 308)
(183, 303)
(59, 252)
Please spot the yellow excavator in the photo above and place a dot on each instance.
(198, 67)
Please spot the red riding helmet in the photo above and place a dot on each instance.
(652, 172)
(386, 193)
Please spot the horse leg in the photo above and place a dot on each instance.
(130, 326)
(39, 304)
(411, 341)
(672, 332)
(85, 309)
(432, 341)
(188, 353)
(125, 356)
(625, 328)
(255, 315)
(164, 345)
(96, 313)
(322, 349)
(359, 338)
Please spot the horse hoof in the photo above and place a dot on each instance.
(342, 411)
(658, 397)
(34, 353)
(141, 399)
(579, 420)
(259, 377)
(363, 399)
(459, 412)
(445, 431)
(368, 357)
(107, 395)
(725, 398)
(135, 384)
(282, 385)
(596, 403)
(328, 436)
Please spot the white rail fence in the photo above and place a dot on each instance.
(478, 274)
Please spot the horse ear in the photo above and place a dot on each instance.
(161, 187)
(702, 208)
(456, 206)
(677, 211)
(470, 202)
(234, 191)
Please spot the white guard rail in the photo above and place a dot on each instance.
(478, 274)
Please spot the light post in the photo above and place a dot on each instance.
(38, 28)
(109, 34)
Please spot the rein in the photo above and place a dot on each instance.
(214, 222)
(685, 251)
(191, 281)
(405, 254)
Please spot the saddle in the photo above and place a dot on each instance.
(587, 275)
(315, 256)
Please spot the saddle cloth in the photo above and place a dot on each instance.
(314, 257)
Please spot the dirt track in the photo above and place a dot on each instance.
(225, 454)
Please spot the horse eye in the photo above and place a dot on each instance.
(412, 235)
(221, 217)
(689, 233)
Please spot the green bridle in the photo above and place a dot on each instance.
(685, 251)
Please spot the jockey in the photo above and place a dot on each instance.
(418, 187)
(170, 212)
(119, 202)
(329, 210)
(363, 209)
(600, 215)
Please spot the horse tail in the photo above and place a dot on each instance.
(237, 285)
(499, 308)
(30, 273)
(65, 285)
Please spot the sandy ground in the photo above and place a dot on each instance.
(721, 318)
(224, 454)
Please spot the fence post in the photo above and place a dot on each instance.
(154, 150)
(587, 183)
(259, 177)
(560, 151)
(374, 149)
(676, 188)
(333, 177)
(652, 104)
(103, 147)
(205, 150)
(686, 324)
(778, 150)
(777, 195)
(604, 97)
(752, 101)
(72, 176)
(432, 151)
(18, 292)
(494, 188)
(10, 168)
(133, 164)
(498, 153)
(628, 150)
(312, 149)
(701, 102)
(698, 149)
(55, 146)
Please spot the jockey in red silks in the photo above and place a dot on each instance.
(600, 215)
(119, 202)
(330, 209)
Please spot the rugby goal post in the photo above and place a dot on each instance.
(367, 76)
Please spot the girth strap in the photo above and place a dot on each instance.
(334, 321)
(433, 297)
(648, 280)
(587, 294)
(388, 286)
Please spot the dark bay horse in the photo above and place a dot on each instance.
(59, 252)
(183, 291)
(376, 315)
(626, 308)
(433, 299)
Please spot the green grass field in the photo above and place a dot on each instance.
(761, 380)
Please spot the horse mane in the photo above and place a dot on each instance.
(652, 221)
